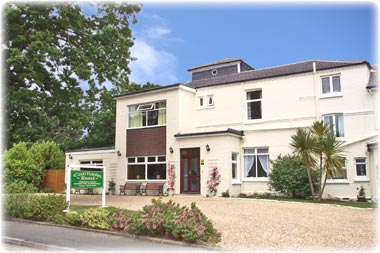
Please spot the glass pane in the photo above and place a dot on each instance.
(200, 101)
(135, 119)
(361, 170)
(262, 165)
(85, 162)
(325, 85)
(328, 120)
(131, 160)
(254, 110)
(195, 165)
(152, 118)
(339, 125)
(336, 83)
(151, 159)
(249, 151)
(234, 157)
(161, 104)
(157, 171)
(254, 95)
(234, 170)
(132, 108)
(194, 184)
(162, 158)
(262, 151)
(136, 172)
(248, 165)
(339, 174)
(162, 117)
(140, 159)
(185, 174)
(360, 160)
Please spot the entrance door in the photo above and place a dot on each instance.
(190, 170)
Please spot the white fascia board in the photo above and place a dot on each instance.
(91, 152)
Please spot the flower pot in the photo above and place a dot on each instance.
(170, 192)
(361, 199)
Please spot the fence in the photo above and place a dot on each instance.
(55, 180)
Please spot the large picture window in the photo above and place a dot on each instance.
(146, 168)
(256, 163)
(149, 114)
(254, 104)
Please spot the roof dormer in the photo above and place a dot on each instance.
(218, 68)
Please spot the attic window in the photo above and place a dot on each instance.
(214, 72)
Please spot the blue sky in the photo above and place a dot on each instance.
(172, 37)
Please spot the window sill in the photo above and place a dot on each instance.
(235, 182)
(254, 121)
(363, 179)
(337, 181)
(332, 95)
(206, 107)
(256, 179)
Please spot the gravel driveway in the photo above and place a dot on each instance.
(252, 224)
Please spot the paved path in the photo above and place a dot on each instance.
(54, 238)
(252, 224)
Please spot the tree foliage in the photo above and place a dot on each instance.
(289, 176)
(58, 60)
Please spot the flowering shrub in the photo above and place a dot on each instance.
(171, 177)
(167, 219)
(214, 180)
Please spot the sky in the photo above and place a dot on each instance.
(173, 37)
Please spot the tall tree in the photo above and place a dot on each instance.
(52, 52)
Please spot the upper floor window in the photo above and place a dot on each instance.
(254, 104)
(335, 122)
(210, 100)
(149, 114)
(331, 85)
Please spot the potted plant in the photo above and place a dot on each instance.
(111, 186)
(361, 194)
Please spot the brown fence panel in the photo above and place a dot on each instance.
(55, 180)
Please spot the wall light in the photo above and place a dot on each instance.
(208, 148)
(70, 157)
(118, 153)
(171, 150)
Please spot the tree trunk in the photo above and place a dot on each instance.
(310, 182)
(320, 176)
(323, 187)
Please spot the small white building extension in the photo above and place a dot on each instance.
(237, 118)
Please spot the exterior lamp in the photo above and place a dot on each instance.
(171, 150)
(70, 157)
(208, 148)
(118, 153)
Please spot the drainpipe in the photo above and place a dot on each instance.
(316, 87)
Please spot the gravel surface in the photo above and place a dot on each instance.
(252, 224)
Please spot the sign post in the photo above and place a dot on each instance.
(86, 179)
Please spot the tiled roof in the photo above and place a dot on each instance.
(221, 61)
(289, 69)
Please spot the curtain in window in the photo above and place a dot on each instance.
(339, 126)
(248, 163)
(162, 116)
(264, 161)
(135, 119)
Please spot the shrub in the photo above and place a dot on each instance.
(226, 194)
(73, 219)
(170, 219)
(20, 186)
(47, 155)
(15, 205)
(289, 176)
(96, 218)
(45, 207)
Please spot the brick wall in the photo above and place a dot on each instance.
(146, 141)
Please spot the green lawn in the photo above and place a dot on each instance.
(81, 209)
(324, 201)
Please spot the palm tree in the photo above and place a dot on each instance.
(304, 145)
(320, 130)
(332, 158)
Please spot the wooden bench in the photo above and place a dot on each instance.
(150, 186)
(130, 186)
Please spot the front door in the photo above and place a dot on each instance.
(190, 170)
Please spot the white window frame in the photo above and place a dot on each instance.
(236, 163)
(331, 92)
(365, 163)
(149, 108)
(212, 100)
(254, 100)
(340, 180)
(145, 163)
(256, 154)
(334, 117)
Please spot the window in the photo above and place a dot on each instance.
(254, 104)
(201, 101)
(146, 168)
(256, 163)
(143, 115)
(331, 85)
(234, 160)
(92, 163)
(210, 100)
(361, 168)
(335, 122)
(339, 174)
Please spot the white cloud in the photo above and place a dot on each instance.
(152, 65)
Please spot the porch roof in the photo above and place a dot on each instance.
(220, 132)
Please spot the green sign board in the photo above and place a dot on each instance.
(86, 179)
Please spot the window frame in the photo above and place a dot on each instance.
(144, 114)
(146, 164)
(359, 178)
(339, 180)
(212, 100)
(334, 117)
(331, 92)
(255, 155)
(248, 101)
